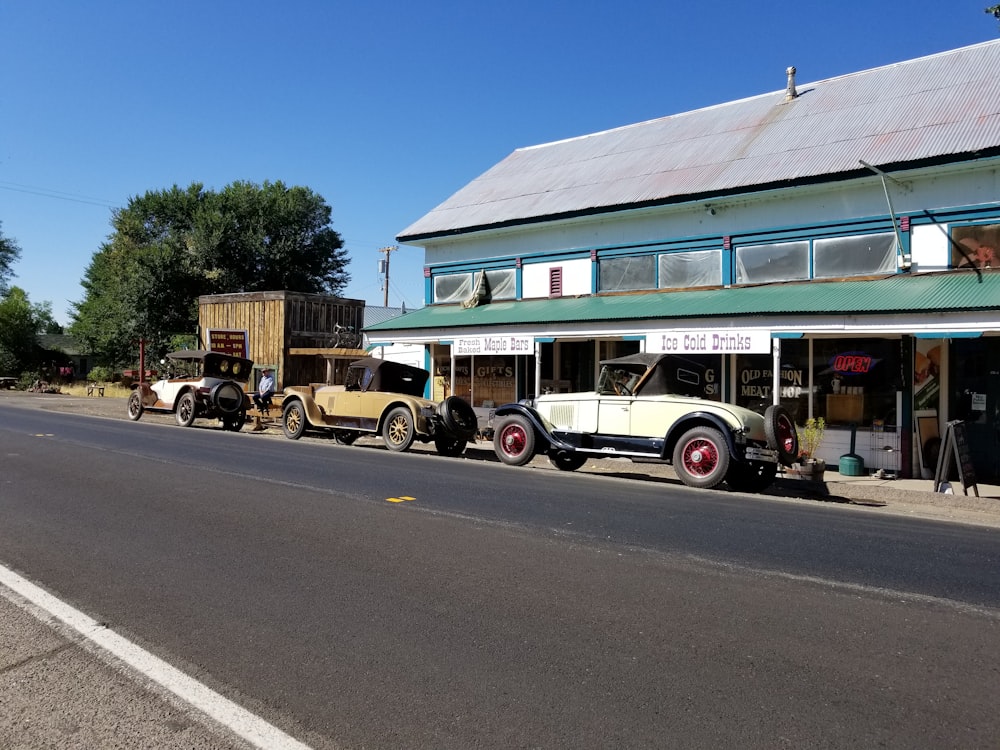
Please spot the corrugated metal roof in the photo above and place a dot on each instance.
(944, 105)
(952, 291)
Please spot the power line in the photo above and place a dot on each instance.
(15, 187)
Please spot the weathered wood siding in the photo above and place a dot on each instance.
(277, 322)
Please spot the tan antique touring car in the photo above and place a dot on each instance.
(209, 386)
(380, 397)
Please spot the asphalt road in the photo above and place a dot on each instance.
(357, 598)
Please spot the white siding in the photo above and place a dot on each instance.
(575, 278)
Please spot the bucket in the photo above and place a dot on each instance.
(851, 464)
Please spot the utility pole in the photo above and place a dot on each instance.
(385, 269)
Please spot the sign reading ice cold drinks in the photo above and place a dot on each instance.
(726, 341)
(494, 345)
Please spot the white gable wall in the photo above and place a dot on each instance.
(576, 278)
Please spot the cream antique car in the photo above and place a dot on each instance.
(380, 397)
(207, 385)
(645, 407)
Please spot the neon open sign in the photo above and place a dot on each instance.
(853, 362)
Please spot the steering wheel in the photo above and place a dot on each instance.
(621, 389)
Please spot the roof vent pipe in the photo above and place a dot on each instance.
(790, 92)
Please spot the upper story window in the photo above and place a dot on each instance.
(976, 246)
(784, 261)
(626, 273)
(860, 255)
(690, 268)
(830, 258)
(457, 287)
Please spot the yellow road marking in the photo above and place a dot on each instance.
(400, 499)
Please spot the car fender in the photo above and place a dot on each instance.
(696, 419)
(313, 413)
(542, 431)
(420, 425)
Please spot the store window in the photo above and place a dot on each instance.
(785, 261)
(456, 287)
(976, 246)
(483, 381)
(691, 268)
(501, 283)
(860, 255)
(627, 273)
(755, 382)
(855, 381)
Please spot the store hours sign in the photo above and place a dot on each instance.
(499, 344)
(708, 341)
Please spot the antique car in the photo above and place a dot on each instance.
(380, 397)
(204, 385)
(646, 407)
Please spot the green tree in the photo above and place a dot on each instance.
(993, 10)
(171, 246)
(20, 324)
(9, 254)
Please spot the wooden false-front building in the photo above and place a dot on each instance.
(304, 338)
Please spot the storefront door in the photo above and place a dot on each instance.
(975, 399)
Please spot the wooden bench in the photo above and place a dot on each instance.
(271, 415)
(95, 388)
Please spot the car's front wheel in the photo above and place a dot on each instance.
(514, 440)
(701, 458)
(135, 407)
(186, 410)
(398, 431)
(293, 420)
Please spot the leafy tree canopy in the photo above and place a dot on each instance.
(9, 254)
(20, 324)
(171, 246)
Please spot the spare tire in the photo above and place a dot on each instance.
(227, 398)
(459, 417)
(779, 427)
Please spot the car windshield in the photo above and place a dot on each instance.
(617, 381)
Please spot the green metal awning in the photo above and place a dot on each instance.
(951, 291)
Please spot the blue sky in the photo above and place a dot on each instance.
(383, 108)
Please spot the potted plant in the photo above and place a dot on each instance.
(809, 466)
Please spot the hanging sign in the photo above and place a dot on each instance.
(499, 344)
(228, 341)
(708, 341)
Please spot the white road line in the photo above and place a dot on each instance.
(247, 725)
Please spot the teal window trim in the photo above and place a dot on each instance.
(949, 335)
(786, 335)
